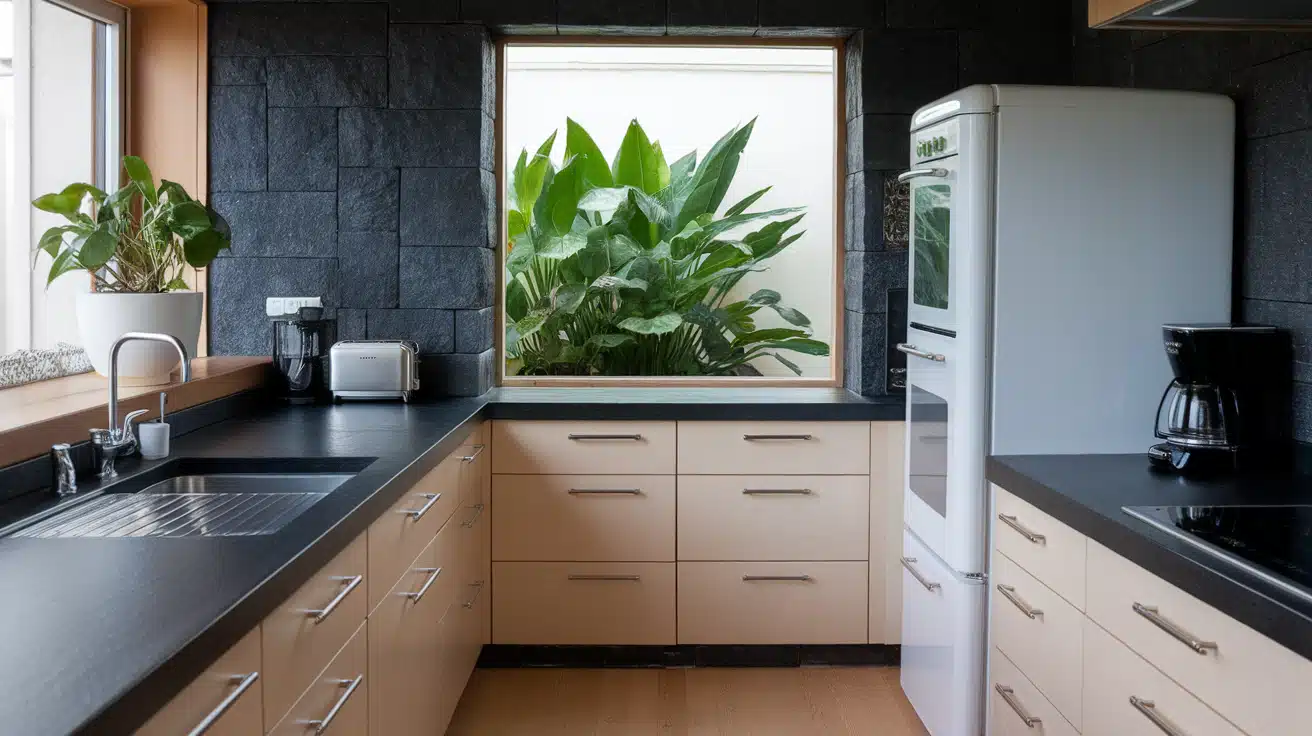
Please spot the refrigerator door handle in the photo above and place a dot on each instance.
(909, 564)
(906, 176)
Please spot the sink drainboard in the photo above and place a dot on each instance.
(175, 515)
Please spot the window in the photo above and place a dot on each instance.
(681, 224)
(61, 102)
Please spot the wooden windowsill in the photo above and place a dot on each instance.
(37, 415)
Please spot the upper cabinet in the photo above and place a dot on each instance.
(1201, 14)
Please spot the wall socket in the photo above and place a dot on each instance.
(278, 306)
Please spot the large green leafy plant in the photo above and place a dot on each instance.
(136, 240)
(627, 267)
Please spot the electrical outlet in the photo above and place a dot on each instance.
(273, 307)
(279, 306)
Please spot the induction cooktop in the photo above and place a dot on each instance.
(1272, 542)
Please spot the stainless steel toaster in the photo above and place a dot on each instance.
(373, 369)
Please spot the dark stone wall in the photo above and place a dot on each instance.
(351, 148)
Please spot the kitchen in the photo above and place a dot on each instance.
(125, 634)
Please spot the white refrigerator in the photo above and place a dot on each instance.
(1053, 231)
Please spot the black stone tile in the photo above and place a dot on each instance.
(238, 139)
(865, 353)
(1252, 185)
(487, 153)
(1277, 257)
(1276, 97)
(1294, 317)
(1302, 412)
(239, 286)
(281, 29)
(1014, 57)
(328, 81)
(1257, 47)
(511, 16)
(230, 70)
(878, 142)
(367, 199)
(853, 67)
(447, 278)
(803, 32)
(432, 329)
(931, 54)
(351, 324)
(369, 263)
(608, 16)
(863, 211)
(425, 11)
(851, 655)
(941, 14)
(1031, 15)
(448, 207)
(749, 656)
(460, 374)
(369, 137)
(283, 224)
(820, 14)
(302, 149)
(475, 329)
(867, 277)
(439, 66)
(1190, 61)
(1103, 60)
(686, 16)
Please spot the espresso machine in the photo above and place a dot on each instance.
(1228, 405)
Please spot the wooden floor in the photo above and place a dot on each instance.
(697, 702)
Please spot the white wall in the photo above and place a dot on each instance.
(687, 98)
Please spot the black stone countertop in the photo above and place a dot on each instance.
(98, 634)
(1086, 492)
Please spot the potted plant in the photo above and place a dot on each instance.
(135, 244)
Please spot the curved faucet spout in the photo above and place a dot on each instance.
(113, 365)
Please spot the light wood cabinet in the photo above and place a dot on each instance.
(1017, 708)
(229, 696)
(405, 651)
(397, 536)
(337, 701)
(774, 448)
(552, 448)
(583, 603)
(772, 602)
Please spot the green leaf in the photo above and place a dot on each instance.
(201, 249)
(683, 168)
(658, 325)
(97, 249)
(809, 347)
(604, 199)
(59, 204)
(787, 363)
(177, 285)
(579, 143)
(173, 191)
(764, 297)
(64, 262)
(189, 219)
(770, 334)
(562, 198)
(662, 168)
(615, 283)
(609, 340)
(567, 297)
(544, 150)
(559, 248)
(791, 316)
(53, 239)
(521, 256)
(636, 164)
(515, 225)
(532, 322)
(746, 202)
(140, 175)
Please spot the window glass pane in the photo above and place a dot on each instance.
(931, 236)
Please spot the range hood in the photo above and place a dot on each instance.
(1211, 14)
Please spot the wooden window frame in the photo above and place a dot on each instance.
(836, 356)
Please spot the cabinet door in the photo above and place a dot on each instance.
(405, 653)
(229, 696)
(338, 700)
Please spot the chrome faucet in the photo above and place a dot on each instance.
(110, 444)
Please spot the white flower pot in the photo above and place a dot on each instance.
(102, 318)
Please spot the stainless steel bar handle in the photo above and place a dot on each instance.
(321, 725)
(418, 513)
(478, 511)
(352, 582)
(758, 437)
(910, 564)
(1009, 592)
(244, 683)
(1171, 6)
(478, 588)
(586, 437)
(1165, 624)
(478, 450)
(605, 491)
(580, 576)
(433, 574)
(777, 578)
(920, 173)
(909, 349)
(1011, 521)
(776, 491)
(1009, 696)
(1149, 710)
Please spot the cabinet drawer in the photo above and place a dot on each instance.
(229, 694)
(1040, 633)
(1047, 549)
(338, 699)
(302, 635)
(475, 464)
(1123, 694)
(583, 603)
(1017, 708)
(1250, 680)
(403, 531)
(532, 448)
(772, 602)
(581, 518)
(775, 448)
(405, 652)
(762, 517)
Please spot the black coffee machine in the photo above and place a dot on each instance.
(1228, 406)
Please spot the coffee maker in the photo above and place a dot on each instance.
(1228, 405)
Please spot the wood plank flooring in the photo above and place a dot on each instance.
(693, 702)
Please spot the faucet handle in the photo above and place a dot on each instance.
(63, 473)
(128, 435)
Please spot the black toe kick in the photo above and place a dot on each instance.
(509, 656)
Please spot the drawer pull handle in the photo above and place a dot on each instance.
(1011, 521)
(433, 573)
(774, 437)
(418, 513)
(1009, 592)
(776, 491)
(478, 511)
(321, 725)
(777, 578)
(244, 683)
(910, 564)
(590, 437)
(1149, 710)
(605, 491)
(478, 589)
(352, 582)
(478, 450)
(1174, 629)
(628, 578)
(1009, 696)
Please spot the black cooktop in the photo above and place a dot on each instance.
(1272, 542)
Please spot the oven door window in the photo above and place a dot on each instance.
(931, 227)
(928, 436)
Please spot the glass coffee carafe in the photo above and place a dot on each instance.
(300, 355)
